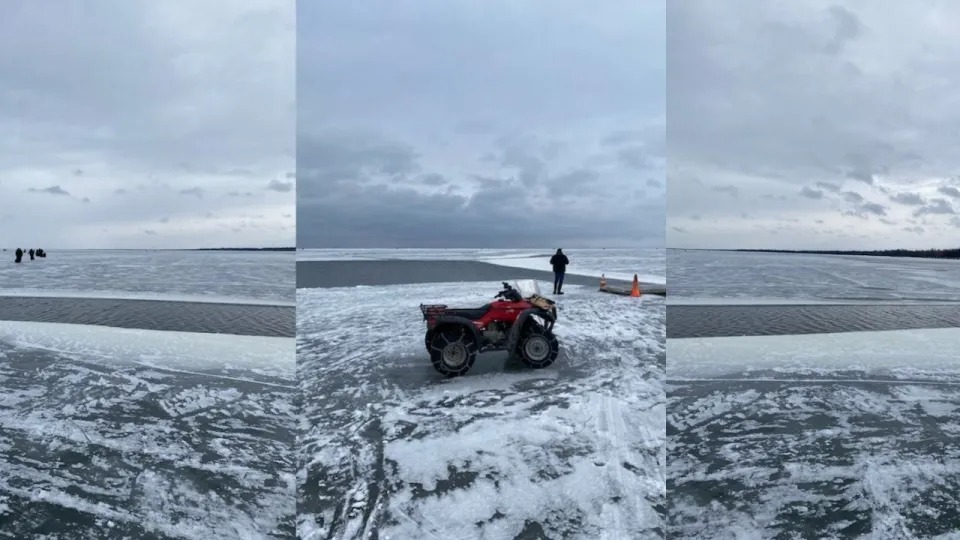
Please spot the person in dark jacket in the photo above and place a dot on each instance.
(19, 254)
(31, 254)
(559, 261)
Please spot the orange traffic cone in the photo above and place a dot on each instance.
(635, 291)
(603, 281)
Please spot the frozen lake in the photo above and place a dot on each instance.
(622, 264)
(141, 433)
(850, 434)
(575, 450)
(848, 430)
(148, 394)
(206, 276)
(705, 277)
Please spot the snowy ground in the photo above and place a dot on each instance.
(740, 277)
(206, 276)
(136, 433)
(843, 434)
(851, 435)
(141, 431)
(622, 264)
(388, 446)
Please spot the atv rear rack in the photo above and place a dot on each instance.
(431, 311)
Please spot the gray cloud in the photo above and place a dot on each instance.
(282, 187)
(910, 199)
(195, 191)
(949, 191)
(733, 191)
(774, 99)
(935, 207)
(634, 157)
(124, 105)
(53, 190)
(866, 209)
(852, 197)
(465, 132)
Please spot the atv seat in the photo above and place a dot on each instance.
(469, 313)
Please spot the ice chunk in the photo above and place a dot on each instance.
(182, 350)
(896, 352)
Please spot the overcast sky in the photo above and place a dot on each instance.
(443, 123)
(813, 124)
(128, 124)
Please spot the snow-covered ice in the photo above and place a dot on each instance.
(744, 277)
(575, 450)
(206, 276)
(273, 356)
(814, 436)
(899, 353)
(140, 433)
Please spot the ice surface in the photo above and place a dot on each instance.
(180, 350)
(137, 433)
(815, 436)
(575, 450)
(745, 301)
(593, 265)
(209, 276)
(620, 264)
(905, 353)
(826, 458)
(814, 278)
(818, 435)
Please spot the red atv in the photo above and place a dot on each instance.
(521, 326)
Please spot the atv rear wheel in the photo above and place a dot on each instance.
(452, 350)
(537, 347)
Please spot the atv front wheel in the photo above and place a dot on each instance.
(538, 347)
(452, 351)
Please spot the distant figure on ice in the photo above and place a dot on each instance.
(41, 253)
(19, 254)
(31, 254)
(559, 262)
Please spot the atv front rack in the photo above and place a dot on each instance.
(431, 311)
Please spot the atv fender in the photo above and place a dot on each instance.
(452, 320)
(514, 338)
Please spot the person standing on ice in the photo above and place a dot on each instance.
(559, 261)
(31, 254)
(19, 254)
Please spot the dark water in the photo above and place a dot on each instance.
(254, 320)
(319, 274)
(89, 450)
(814, 459)
(717, 321)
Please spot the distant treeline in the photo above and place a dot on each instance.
(248, 249)
(917, 253)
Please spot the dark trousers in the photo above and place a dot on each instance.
(557, 281)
